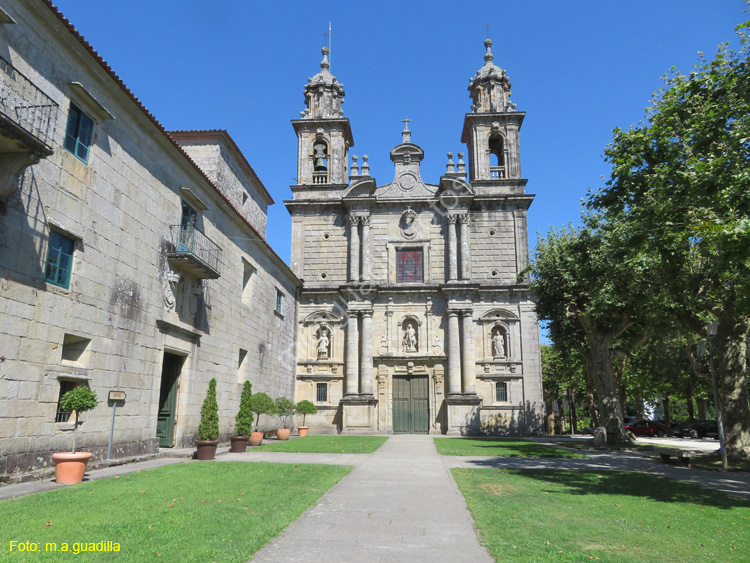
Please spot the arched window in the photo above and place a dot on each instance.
(497, 157)
(320, 162)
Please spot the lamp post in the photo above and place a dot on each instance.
(711, 330)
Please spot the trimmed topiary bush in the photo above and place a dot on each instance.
(208, 429)
(285, 408)
(79, 399)
(260, 403)
(304, 408)
(245, 417)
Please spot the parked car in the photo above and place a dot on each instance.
(702, 429)
(648, 428)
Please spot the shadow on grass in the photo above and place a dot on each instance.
(626, 483)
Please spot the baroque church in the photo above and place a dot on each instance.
(412, 317)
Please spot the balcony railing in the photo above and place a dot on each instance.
(497, 172)
(25, 104)
(197, 253)
(320, 177)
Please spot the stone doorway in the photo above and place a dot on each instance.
(411, 411)
(165, 422)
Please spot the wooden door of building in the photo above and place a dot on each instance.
(411, 405)
(170, 374)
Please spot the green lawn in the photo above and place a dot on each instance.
(207, 511)
(502, 447)
(562, 516)
(325, 445)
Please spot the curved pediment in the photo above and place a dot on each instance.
(499, 315)
(322, 316)
(362, 187)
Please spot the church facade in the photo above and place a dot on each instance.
(412, 317)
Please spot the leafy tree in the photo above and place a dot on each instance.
(306, 407)
(244, 424)
(587, 284)
(260, 403)
(680, 184)
(79, 399)
(208, 429)
(562, 377)
(285, 407)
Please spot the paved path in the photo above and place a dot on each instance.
(736, 483)
(399, 504)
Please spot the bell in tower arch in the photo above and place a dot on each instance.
(320, 156)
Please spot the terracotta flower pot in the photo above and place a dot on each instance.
(302, 430)
(206, 449)
(256, 438)
(283, 433)
(239, 444)
(70, 467)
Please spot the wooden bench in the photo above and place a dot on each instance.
(685, 456)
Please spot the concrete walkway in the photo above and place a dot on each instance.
(399, 504)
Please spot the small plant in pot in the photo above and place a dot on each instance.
(304, 408)
(244, 426)
(285, 408)
(260, 403)
(71, 466)
(208, 429)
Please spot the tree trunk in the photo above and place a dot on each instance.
(600, 364)
(689, 399)
(667, 412)
(549, 414)
(640, 409)
(731, 371)
(560, 418)
(702, 408)
(573, 417)
(590, 400)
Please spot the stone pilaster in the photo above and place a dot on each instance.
(465, 256)
(467, 355)
(454, 358)
(365, 221)
(351, 376)
(365, 385)
(452, 249)
(353, 248)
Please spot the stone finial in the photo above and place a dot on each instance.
(406, 134)
(365, 166)
(355, 166)
(323, 93)
(449, 167)
(325, 65)
(488, 56)
(461, 163)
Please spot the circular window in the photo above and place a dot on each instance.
(494, 273)
(493, 232)
(323, 275)
(326, 236)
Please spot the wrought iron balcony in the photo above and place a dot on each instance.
(497, 172)
(193, 252)
(27, 115)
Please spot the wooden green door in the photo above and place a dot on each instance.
(170, 373)
(410, 405)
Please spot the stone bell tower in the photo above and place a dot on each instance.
(324, 134)
(491, 129)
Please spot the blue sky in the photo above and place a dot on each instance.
(578, 68)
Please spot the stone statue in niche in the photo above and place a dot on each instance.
(498, 344)
(410, 338)
(323, 343)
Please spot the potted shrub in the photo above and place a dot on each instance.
(244, 426)
(304, 408)
(285, 408)
(71, 466)
(208, 429)
(260, 403)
